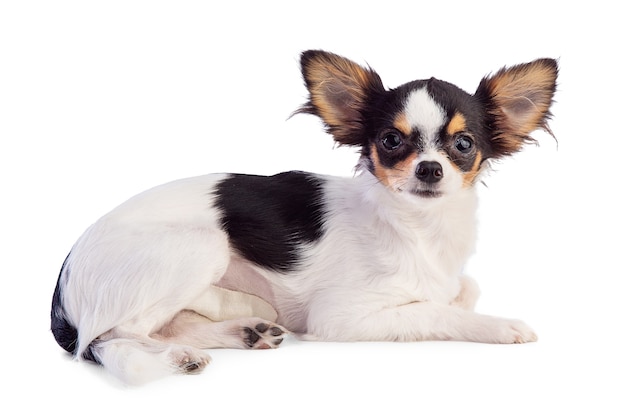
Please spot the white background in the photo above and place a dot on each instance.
(99, 101)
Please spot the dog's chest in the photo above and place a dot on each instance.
(429, 268)
(382, 263)
(393, 248)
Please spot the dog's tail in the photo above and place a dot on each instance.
(64, 332)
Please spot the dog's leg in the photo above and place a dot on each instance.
(136, 359)
(221, 304)
(414, 322)
(198, 331)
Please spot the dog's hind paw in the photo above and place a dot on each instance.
(263, 334)
(189, 360)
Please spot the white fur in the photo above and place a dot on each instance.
(424, 114)
(159, 247)
(356, 277)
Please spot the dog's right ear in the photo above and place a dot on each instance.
(339, 91)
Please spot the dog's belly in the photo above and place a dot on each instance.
(240, 276)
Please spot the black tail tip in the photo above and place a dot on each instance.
(64, 334)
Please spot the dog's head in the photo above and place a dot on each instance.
(428, 138)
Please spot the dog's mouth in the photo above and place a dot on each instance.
(427, 193)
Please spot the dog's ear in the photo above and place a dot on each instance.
(339, 91)
(518, 100)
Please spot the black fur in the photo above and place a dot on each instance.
(65, 333)
(268, 218)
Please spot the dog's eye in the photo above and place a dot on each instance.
(392, 141)
(463, 143)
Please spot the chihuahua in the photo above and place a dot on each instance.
(240, 261)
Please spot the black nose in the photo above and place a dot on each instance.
(429, 171)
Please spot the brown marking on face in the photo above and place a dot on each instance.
(379, 171)
(395, 176)
(470, 176)
(456, 124)
(404, 169)
(402, 124)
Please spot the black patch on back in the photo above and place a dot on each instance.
(269, 218)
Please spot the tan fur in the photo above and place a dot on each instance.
(522, 96)
(470, 176)
(396, 176)
(338, 92)
(402, 124)
(456, 124)
(380, 172)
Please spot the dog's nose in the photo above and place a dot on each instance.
(429, 171)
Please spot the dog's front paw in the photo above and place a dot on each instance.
(488, 329)
(515, 331)
(263, 335)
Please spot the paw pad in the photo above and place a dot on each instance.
(263, 336)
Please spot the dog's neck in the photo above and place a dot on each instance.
(446, 226)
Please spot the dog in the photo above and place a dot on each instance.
(241, 261)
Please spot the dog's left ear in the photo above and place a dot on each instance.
(339, 91)
(518, 99)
